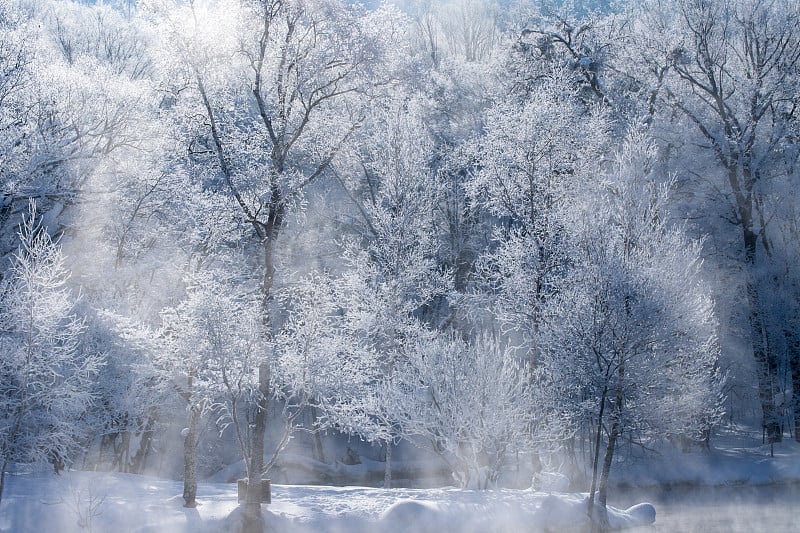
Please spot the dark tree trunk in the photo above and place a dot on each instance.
(106, 444)
(3, 469)
(253, 520)
(602, 488)
(387, 470)
(765, 358)
(596, 456)
(766, 368)
(319, 451)
(771, 415)
(145, 443)
(122, 452)
(190, 460)
(597, 440)
(794, 367)
(58, 463)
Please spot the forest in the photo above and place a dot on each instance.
(528, 232)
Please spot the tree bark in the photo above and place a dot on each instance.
(319, 451)
(253, 520)
(122, 452)
(794, 368)
(190, 460)
(596, 457)
(602, 489)
(3, 477)
(145, 443)
(387, 470)
(766, 364)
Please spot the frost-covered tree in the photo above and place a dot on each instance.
(325, 363)
(205, 351)
(46, 375)
(280, 86)
(83, 71)
(81, 142)
(559, 36)
(530, 164)
(462, 31)
(395, 268)
(15, 111)
(628, 344)
(723, 78)
(470, 401)
(393, 192)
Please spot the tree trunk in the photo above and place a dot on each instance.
(387, 470)
(253, 520)
(140, 457)
(766, 360)
(602, 489)
(794, 367)
(190, 459)
(122, 453)
(319, 451)
(106, 444)
(598, 512)
(3, 477)
(596, 457)
(58, 463)
(766, 368)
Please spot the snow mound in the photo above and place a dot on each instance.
(438, 517)
(642, 514)
(554, 513)
(568, 512)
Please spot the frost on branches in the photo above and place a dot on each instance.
(629, 343)
(46, 376)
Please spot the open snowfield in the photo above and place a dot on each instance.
(736, 486)
(112, 502)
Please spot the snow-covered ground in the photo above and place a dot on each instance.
(737, 457)
(112, 502)
(711, 491)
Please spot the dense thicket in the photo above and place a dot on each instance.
(494, 230)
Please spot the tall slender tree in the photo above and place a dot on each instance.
(47, 385)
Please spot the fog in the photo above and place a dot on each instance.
(739, 509)
(501, 245)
